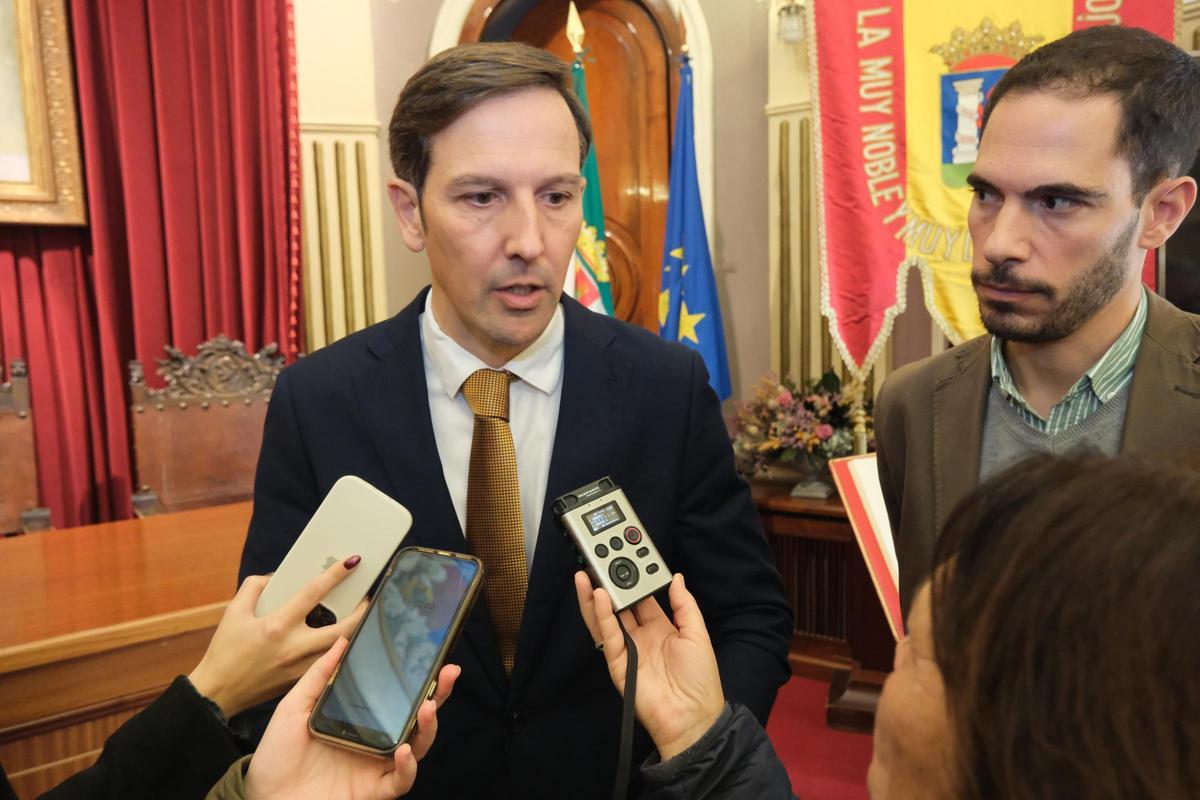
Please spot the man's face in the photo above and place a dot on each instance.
(913, 753)
(1053, 221)
(499, 215)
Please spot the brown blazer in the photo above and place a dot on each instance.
(929, 426)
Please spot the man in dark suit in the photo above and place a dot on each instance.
(487, 143)
(1082, 169)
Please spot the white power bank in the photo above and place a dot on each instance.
(355, 518)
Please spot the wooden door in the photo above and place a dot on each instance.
(633, 84)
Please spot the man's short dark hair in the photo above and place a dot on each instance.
(1156, 84)
(455, 81)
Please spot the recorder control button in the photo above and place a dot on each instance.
(642, 552)
(633, 535)
(615, 543)
(601, 551)
(623, 572)
(651, 569)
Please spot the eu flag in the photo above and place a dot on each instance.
(688, 310)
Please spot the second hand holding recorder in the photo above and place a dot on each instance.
(612, 542)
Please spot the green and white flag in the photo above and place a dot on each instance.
(588, 277)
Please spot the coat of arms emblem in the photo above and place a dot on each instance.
(975, 61)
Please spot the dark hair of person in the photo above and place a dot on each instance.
(455, 81)
(1066, 612)
(1156, 84)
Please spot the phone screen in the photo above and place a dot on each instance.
(386, 671)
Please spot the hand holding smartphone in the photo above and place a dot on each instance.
(355, 518)
(370, 704)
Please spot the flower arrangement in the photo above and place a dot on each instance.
(800, 426)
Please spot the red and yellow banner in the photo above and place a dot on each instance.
(898, 90)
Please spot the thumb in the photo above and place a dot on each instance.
(687, 614)
(311, 683)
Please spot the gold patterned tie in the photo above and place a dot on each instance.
(494, 526)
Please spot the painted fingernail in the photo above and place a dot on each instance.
(351, 562)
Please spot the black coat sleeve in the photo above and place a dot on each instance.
(733, 760)
(176, 747)
(285, 487)
(723, 553)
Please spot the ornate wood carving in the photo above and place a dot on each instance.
(184, 460)
(220, 369)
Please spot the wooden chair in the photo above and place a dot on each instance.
(19, 510)
(196, 441)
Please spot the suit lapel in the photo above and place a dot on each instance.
(394, 401)
(593, 395)
(1164, 399)
(959, 405)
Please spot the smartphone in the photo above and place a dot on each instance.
(355, 518)
(391, 665)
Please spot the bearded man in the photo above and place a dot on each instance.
(1082, 169)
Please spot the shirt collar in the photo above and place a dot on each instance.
(1105, 377)
(539, 364)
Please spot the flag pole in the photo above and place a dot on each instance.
(858, 414)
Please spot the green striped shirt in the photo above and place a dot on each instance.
(1101, 383)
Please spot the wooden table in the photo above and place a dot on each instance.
(97, 621)
(841, 632)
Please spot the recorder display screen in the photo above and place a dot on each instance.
(603, 517)
(385, 672)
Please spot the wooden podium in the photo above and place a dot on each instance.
(97, 622)
(841, 632)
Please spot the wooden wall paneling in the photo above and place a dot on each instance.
(841, 634)
(57, 754)
(343, 213)
(350, 292)
(785, 254)
(366, 234)
(1188, 25)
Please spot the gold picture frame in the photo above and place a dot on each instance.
(41, 174)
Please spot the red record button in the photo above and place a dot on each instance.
(633, 535)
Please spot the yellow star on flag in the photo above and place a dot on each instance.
(664, 306)
(688, 323)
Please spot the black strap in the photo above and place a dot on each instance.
(625, 751)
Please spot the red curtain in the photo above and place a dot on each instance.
(191, 160)
(49, 319)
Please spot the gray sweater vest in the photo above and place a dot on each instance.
(1006, 437)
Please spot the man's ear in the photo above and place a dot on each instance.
(1166, 205)
(406, 203)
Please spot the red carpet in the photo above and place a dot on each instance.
(823, 764)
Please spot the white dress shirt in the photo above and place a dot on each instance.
(532, 413)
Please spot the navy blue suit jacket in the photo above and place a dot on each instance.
(634, 407)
